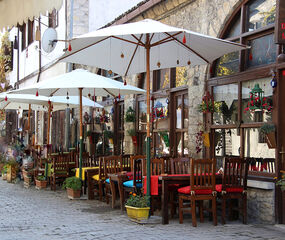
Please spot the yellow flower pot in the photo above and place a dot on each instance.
(137, 214)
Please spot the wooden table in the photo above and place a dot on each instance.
(172, 179)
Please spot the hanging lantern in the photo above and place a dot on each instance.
(184, 39)
(69, 47)
(273, 82)
(6, 99)
(37, 94)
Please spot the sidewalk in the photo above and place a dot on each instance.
(46, 215)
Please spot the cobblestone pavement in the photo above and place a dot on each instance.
(32, 214)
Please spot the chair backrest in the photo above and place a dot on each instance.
(202, 174)
(235, 173)
(139, 164)
(180, 165)
(157, 166)
(112, 164)
(133, 158)
(126, 162)
(60, 163)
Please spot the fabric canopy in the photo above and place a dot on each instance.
(19, 11)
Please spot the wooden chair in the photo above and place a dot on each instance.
(180, 165)
(234, 185)
(202, 187)
(60, 169)
(126, 162)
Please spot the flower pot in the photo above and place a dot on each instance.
(271, 140)
(73, 193)
(41, 184)
(135, 141)
(137, 214)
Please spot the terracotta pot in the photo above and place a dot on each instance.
(41, 184)
(271, 140)
(73, 193)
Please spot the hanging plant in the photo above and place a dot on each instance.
(208, 104)
(164, 136)
(130, 115)
(108, 134)
(257, 101)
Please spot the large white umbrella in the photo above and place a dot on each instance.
(145, 46)
(83, 82)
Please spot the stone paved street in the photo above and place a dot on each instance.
(32, 214)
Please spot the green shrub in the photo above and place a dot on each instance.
(130, 115)
(267, 128)
(138, 201)
(41, 178)
(73, 183)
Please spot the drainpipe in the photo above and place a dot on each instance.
(67, 110)
(18, 59)
(40, 54)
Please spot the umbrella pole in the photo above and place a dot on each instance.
(48, 136)
(29, 122)
(81, 134)
(148, 113)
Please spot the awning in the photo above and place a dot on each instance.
(19, 11)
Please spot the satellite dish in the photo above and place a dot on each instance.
(49, 40)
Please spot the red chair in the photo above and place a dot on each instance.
(202, 187)
(234, 185)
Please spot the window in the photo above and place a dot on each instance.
(23, 39)
(30, 32)
(53, 19)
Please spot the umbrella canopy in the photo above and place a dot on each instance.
(145, 46)
(40, 103)
(121, 48)
(69, 83)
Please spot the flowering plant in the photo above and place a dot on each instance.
(138, 201)
(257, 103)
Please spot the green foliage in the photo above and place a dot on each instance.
(41, 178)
(12, 162)
(281, 182)
(130, 115)
(267, 128)
(89, 133)
(132, 132)
(138, 201)
(73, 183)
(5, 169)
(108, 134)
(210, 107)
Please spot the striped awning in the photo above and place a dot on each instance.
(13, 12)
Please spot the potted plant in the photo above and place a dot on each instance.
(281, 182)
(137, 207)
(132, 132)
(269, 132)
(12, 169)
(4, 172)
(73, 187)
(130, 115)
(41, 182)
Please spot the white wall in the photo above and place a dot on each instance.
(102, 12)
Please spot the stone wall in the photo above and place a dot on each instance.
(260, 206)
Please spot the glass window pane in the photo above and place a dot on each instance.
(253, 110)
(253, 147)
(142, 115)
(161, 143)
(181, 77)
(228, 96)
(186, 111)
(227, 64)
(179, 144)
(260, 14)
(160, 114)
(178, 101)
(163, 80)
(263, 51)
(185, 150)
(235, 28)
(227, 143)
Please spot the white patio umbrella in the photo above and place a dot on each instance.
(145, 46)
(83, 82)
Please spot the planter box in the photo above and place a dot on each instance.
(138, 214)
(41, 184)
(27, 181)
(73, 193)
(11, 173)
(271, 140)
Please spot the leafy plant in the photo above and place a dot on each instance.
(41, 178)
(130, 115)
(281, 182)
(132, 132)
(73, 183)
(138, 201)
(267, 128)
(108, 134)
